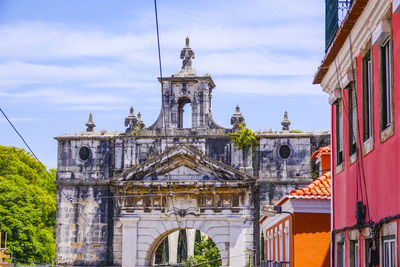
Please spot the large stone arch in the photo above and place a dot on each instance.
(142, 235)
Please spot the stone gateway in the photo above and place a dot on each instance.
(120, 194)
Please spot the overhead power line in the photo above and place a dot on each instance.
(44, 168)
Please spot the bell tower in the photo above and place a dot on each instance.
(186, 88)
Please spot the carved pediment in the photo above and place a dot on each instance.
(182, 163)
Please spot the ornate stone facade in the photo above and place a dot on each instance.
(121, 193)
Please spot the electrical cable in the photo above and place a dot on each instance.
(360, 173)
(163, 109)
(44, 168)
(26, 144)
(361, 162)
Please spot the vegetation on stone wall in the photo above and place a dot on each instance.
(244, 139)
(27, 207)
(206, 254)
(137, 130)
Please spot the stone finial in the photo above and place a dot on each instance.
(140, 122)
(130, 121)
(285, 123)
(90, 124)
(187, 54)
(187, 40)
(237, 118)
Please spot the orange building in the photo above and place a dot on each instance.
(299, 226)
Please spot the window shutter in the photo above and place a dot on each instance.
(354, 116)
(340, 106)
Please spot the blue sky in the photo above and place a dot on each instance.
(60, 60)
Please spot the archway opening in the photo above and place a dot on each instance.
(187, 247)
(184, 113)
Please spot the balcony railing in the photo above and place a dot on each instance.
(335, 13)
(275, 264)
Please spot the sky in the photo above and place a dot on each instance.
(60, 60)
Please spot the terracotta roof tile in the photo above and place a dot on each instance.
(318, 189)
(321, 150)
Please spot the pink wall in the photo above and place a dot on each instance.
(382, 164)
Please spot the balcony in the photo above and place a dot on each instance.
(335, 13)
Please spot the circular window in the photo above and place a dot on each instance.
(84, 153)
(284, 151)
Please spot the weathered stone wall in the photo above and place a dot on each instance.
(91, 163)
(84, 182)
(97, 167)
(82, 225)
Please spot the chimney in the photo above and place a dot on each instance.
(323, 156)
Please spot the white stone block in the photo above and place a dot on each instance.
(381, 32)
(144, 231)
(198, 225)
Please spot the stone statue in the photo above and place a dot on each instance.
(187, 55)
(130, 121)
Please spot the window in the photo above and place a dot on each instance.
(284, 151)
(339, 132)
(389, 251)
(352, 120)
(367, 96)
(386, 83)
(84, 153)
(276, 244)
(280, 244)
(269, 247)
(287, 244)
(340, 255)
(354, 254)
(371, 253)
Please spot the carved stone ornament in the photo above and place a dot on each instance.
(90, 124)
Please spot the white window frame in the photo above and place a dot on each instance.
(391, 240)
(341, 241)
(280, 243)
(355, 256)
(339, 131)
(387, 86)
(276, 244)
(367, 92)
(287, 241)
(268, 245)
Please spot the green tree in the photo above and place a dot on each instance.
(244, 139)
(206, 254)
(27, 206)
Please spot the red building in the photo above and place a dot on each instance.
(361, 73)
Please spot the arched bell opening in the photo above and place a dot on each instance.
(184, 112)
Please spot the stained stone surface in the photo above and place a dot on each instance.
(140, 184)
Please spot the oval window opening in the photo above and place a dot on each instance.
(284, 151)
(84, 153)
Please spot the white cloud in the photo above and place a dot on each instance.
(290, 86)
(60, 96)
(237, 43)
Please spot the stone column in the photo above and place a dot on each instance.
(237, 251)
(248, 161)
(190, 238)
(119, 154)
(236, 157)
(129, 241)
(173, 247)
